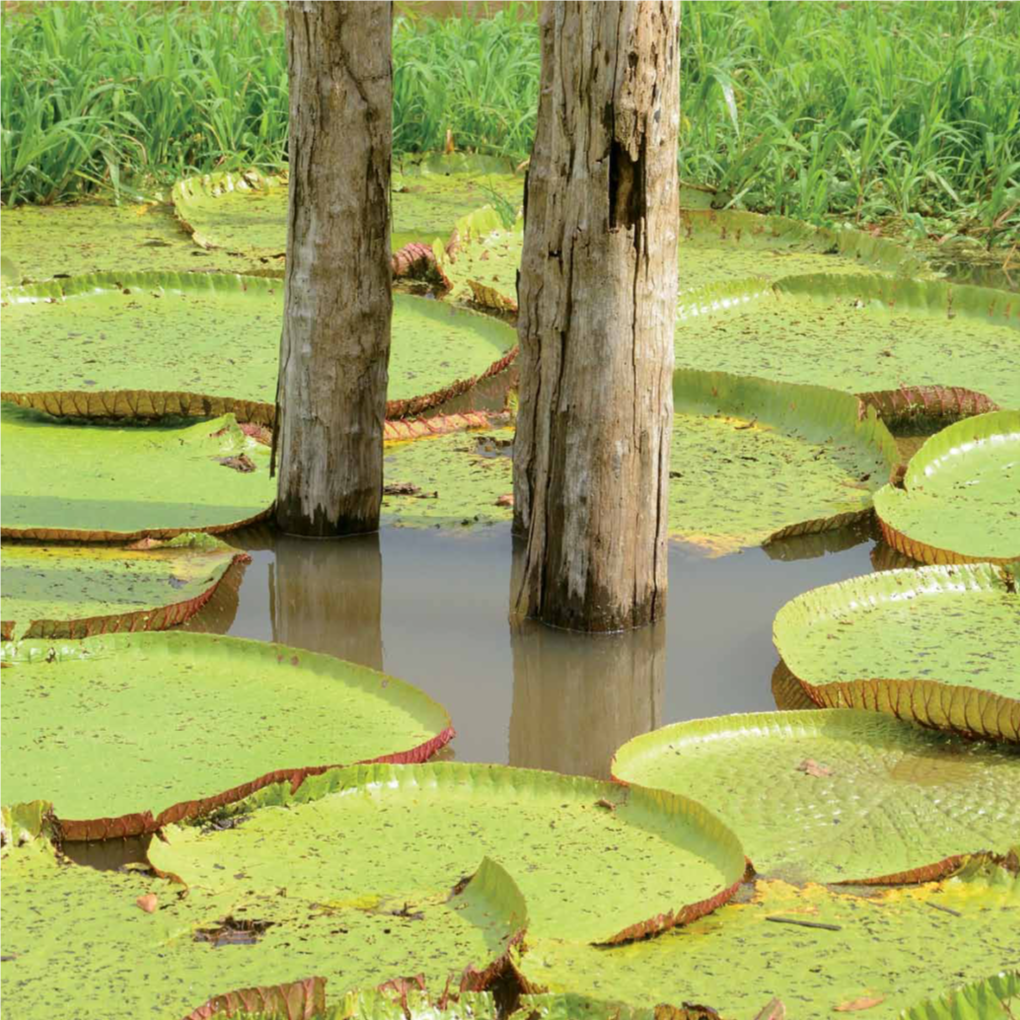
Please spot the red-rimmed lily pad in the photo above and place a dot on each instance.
(820, 951)
(960, 500)
(857, 333)
(126, 961)
(940, 645)
(722, 245)
(145, 345)
(753, 461)
(594, 860)
(839, 795)
(125, 733)
(245, 214)
(77, 591)
(67, 482)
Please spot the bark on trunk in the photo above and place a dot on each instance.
(334, 352)
(597, 294)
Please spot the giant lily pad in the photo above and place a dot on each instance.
(594, 860)
(960, 500)
(753, 460)
(94, 483)
(124, 962)
(43, 242)
(74, 592)
(461, 478)
(150, 344)
(715, 248)
(856, 333)
(830, 952)
(719, 246)
(115, 728)
(939, 645)
(840, 795)
(246, 213)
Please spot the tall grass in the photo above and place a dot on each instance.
(853, 110)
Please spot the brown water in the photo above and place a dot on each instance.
(432, 608)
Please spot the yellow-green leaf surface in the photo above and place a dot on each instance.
(731, 245)
(940, 644)
(75, 591)
(143, 344)
(132, 723)
(247, 213)
(92, 483)
(753, 460)
(715, 248)
(123, 963)
(46, 241)
(857, 333)
(838, 795)
(460, 478)
(594, 860)
(960, 499)
(891, 949)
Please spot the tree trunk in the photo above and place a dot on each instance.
(334, 353)
(597, 295)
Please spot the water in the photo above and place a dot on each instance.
(432, 608)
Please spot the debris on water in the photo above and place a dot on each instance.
(812, 768)
(149, 903)
(242, 463)
(233, 931)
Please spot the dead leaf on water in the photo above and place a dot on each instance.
(865, 1002)
(149, 902)
(812, 768)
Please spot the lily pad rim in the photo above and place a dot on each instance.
(144, 821)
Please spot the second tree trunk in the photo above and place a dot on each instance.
(597, 297)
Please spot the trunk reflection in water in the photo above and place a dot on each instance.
(438, 618)
(326, 596)
(578, 697)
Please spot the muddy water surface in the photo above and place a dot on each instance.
(432, 608)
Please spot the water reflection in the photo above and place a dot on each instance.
(326, 596)
(578, 697)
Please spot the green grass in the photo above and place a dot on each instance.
(860, 111)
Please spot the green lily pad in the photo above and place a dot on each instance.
(310, 1000)
(96, 346)
(459, 477)
(879, 953)
(960, 500)
(74, 592)
(95, 483)
(939, 645)
(404, 833)
(124, 962)
(856, 333)
(247, 213)
(50, 241)
(840, 795)
(731, 245)
(753, 461)
(115, 728)
(715, 248)
(582, 1007)
(990, 998)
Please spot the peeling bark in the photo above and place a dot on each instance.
(597, 294)
(334, 352)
